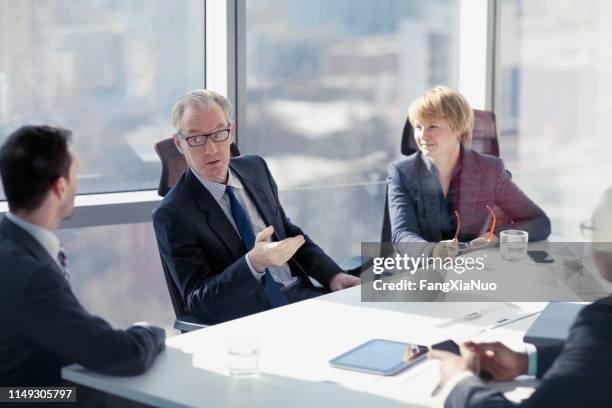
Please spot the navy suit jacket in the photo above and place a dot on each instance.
(43, 327)
(206, 256)
(577, 373)
(414, 205)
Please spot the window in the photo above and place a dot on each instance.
(108, 70)
(554, 104)
(328, 85)
(116, 273)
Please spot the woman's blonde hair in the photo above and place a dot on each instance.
(442, 102)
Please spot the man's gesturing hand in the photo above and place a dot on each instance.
(265, 254)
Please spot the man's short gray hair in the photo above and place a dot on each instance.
(202, 99)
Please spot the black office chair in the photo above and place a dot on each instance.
(484, 140)
(173, 166)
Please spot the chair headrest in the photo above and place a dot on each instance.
(174, 164)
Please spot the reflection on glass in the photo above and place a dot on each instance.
(555, 104)
(116, 274)
(108, 70)
(328, 84)
(338, 219)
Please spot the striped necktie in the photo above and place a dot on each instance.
(271, 287)
(63, 261)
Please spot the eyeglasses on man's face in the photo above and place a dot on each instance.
(200, 140)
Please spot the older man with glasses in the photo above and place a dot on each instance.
(222, 231)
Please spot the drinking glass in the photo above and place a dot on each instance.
(513, 244)
(243, 353)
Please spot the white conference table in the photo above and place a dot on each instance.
(297, 340)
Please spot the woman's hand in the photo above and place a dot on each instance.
(445, 249)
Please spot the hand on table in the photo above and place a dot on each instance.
(343, 281)
(453, 364)
(500, 361)
(445, 249)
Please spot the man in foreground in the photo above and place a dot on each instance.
(42, 325)
(576, 373)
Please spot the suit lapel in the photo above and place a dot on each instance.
(429, 190)
(29, 243)
(470, 189)
(257, 194)
(215, 217)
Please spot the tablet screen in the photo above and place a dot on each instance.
(378, 356)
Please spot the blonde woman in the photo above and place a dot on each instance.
(445, 181)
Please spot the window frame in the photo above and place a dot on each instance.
(225, 72)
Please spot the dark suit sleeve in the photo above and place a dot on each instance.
(405, 232)
(473, 393)
(579, 377)
(562, 392)
(525, 214)
(210, 297)
(51, 316)
(310, 256)
(546, 357)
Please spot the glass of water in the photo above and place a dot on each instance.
(243, 353)
(513, 244)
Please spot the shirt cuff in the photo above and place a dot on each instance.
(451, 384)
(256, 274)
(532, 353)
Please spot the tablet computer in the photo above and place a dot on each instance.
(378, 356)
